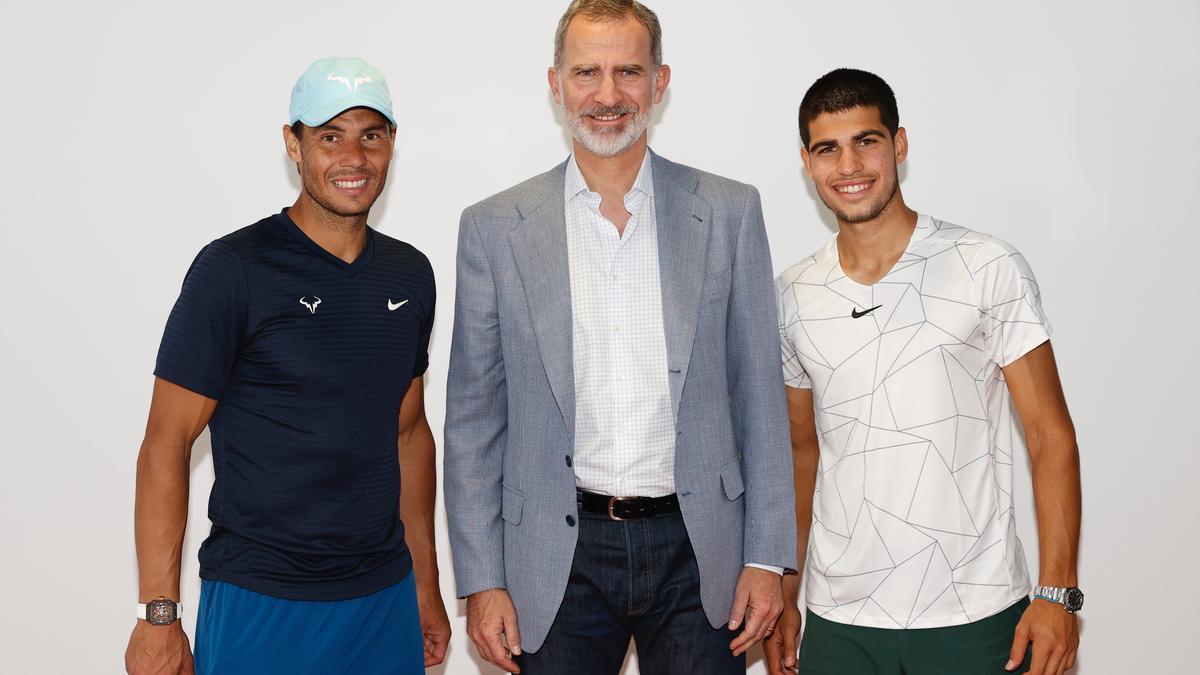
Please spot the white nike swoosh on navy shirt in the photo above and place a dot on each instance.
(393, 306)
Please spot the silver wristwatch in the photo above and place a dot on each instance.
(1071, 598)
(160, 611)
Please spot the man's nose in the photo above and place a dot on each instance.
(353, 155)
(607, 94)
(849, 162)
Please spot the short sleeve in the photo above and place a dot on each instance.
(207, 325)
(1010, 305)
(421, 363)
(793, 370)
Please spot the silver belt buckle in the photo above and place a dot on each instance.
(612, 502)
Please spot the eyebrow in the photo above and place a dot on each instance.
(831, 143)
(624, 66)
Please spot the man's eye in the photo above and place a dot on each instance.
(371, 136)
(825, 150)
(328, 138)
(629, 72)
(867, 142)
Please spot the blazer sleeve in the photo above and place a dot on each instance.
(476, 421)
(759, 405)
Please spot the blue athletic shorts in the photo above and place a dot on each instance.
(240, 631)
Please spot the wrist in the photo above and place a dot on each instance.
(160, 611)
(1069, 598)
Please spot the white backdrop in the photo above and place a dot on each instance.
(135, 132)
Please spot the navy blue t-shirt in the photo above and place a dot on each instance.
(309, 358)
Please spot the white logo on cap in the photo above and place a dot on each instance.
(351, 85)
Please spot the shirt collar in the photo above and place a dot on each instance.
(574, 184)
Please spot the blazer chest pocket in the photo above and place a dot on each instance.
(716, 285)
(731, 480)
(512, 506)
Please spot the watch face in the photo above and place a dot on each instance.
(1073, 600)
(160, 612)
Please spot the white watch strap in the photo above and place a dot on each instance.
(141, 610)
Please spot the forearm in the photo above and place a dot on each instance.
(806, 459)
(160, 517)
(804, 473)
(1054, 459)
(476, 421)
(759, 408)
(418, 497)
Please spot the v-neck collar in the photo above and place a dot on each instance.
(924, 227)
(349, 268)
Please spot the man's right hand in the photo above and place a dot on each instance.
(158, 650)
(492, 626)
(779, 649)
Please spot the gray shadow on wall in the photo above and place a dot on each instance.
(200, 477)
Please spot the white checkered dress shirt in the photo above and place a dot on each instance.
(624, 424)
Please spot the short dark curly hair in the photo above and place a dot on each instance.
(845, 88)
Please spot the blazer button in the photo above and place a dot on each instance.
(569, 460)
(571, 521)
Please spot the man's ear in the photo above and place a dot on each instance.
(661, 82)
(807, 159)
(291, 143)
(552, 78)
(901, 144)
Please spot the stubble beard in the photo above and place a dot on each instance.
(874, 209)
(607, 142)
(329, 204)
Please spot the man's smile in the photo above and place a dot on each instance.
(855, 189)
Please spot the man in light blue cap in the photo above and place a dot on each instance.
(300, 342)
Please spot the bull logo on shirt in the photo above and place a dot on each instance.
(310, 303)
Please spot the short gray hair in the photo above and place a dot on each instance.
(599, 10)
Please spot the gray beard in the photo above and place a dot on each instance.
(609, 143)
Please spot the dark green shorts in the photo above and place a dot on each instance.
(977, 648)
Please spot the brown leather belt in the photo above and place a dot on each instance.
(626, 508)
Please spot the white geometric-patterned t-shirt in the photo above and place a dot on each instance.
(913, 512)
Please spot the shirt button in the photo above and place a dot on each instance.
(568, 460)
(571, 521)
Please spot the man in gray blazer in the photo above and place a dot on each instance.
(617, 453)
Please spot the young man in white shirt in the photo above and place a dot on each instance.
(911, 346)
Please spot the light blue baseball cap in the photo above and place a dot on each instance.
(333, 85)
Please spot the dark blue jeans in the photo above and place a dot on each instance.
(633, 579)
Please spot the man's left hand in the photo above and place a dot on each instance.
(1055, 636)
(758, 601)
(435, 625)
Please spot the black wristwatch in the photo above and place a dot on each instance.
(160, 611)
(1071, 598)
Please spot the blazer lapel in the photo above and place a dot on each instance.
(539, 246)
(682, 220)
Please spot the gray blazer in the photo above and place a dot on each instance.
(510, 408)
